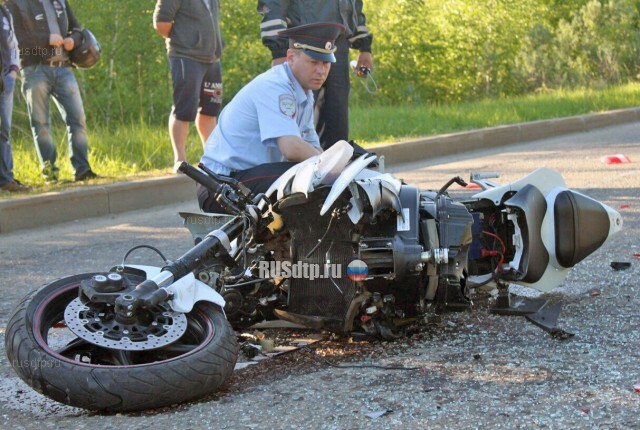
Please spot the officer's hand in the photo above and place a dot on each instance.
(68, 44)
(55, 40)
(365, 59)
(278, 61)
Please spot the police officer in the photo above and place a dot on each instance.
(268, 126)
(332, 100)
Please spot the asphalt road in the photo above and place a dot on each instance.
(587, 382)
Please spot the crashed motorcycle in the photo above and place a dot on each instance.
(376, 253)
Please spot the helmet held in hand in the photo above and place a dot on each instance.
(87, 53)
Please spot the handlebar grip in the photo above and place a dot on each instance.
(201, 178)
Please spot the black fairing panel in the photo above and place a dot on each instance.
(581, 226)
(535, 257)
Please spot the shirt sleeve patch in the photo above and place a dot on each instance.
(287, 105)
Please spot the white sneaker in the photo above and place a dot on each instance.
(176, 166)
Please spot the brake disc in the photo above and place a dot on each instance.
(162, 327)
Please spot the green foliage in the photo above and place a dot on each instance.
(598, 44)
(424, 51)
(131, 81)
(429, 50)
(244, 56)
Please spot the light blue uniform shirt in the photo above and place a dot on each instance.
(272, 105)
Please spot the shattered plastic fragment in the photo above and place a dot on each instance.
(595, 294)
(624, 206)
(377, 414)
(473, 186)
(615, 159)
(636, 387)
(620, 265)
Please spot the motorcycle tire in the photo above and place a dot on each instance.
(93, 377)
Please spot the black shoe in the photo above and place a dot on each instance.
(86, 175)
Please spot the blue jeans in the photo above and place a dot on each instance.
(6, 109)
(39, 84)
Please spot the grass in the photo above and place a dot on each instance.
(137, 150)
(392, 124)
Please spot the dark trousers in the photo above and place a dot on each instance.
(332, 100)
(258, 179)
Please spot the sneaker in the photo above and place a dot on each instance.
(86, 175)
(15, 187)
(176, 167)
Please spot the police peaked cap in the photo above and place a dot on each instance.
(317, 40)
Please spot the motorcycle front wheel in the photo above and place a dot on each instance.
(65, 368)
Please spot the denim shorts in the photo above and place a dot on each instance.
(197, 88)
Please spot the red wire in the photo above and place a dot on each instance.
(504, 248)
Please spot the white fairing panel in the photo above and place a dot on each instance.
(343, 181)
(186, 291)
(284, 182)
(332, 167)
(550, 183)
(543, 179)
(324, 170)
(556, 273)
(308, 174)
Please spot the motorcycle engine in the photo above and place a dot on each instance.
(407, 254)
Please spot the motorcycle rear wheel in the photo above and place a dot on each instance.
(88, 376)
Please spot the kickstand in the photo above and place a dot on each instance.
(547, 317)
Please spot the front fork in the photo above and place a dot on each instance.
(157, 289)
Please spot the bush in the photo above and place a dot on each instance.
(598, 45)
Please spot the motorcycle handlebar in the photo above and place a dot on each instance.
(201, 178)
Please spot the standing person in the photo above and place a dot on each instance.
(47, 30)
(268, 126)
(332, 101)
(194, 45)
(10, 67)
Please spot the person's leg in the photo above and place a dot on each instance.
(186, 78)
(6, 108)
(178, 131)
(205, 125)
(210, 101)
(332, 106)
(36, 87)
(258, 179)
(67, 97)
